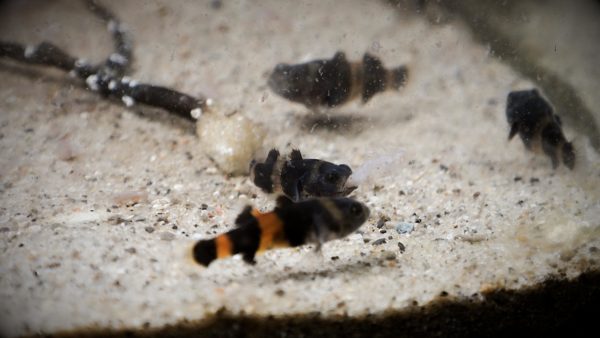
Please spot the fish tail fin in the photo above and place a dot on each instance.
(244, 239)
(204, 251)
(398, 77)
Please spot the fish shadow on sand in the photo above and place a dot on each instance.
(335, 123)
(328, 271)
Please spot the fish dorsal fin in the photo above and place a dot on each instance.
(296, 155)
(272, 156)
(261, 174)
(339, 56)
(370, 62)
(283, 202)
(245, 217)
(374, 77)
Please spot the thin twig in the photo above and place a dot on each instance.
(108, 78)
(118, 62)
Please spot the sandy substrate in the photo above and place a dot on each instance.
(98, 202)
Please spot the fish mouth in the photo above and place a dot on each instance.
(367, 213)
(279, 80)
(273, 81)
(347, 190)
(348, 187)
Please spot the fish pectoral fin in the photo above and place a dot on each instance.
(283, 202)
(296, 155)
(249, 258)
(514, 128)
(320, 233)
(296, 191)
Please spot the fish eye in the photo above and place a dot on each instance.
(332, 177)
(356, 209)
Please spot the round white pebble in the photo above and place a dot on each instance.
(229, 141)
(128, 100)
(196, 113)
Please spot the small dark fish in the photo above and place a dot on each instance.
(291, 224)
(300, 178)
(532, 117)
(330, 83)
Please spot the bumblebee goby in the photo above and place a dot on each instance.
(300, 178)
(532, 117)
(313, 221)
(333, 82)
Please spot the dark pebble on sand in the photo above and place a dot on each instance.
(379, 241)
(381, 221)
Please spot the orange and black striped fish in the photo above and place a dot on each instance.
(333, 82)
(290, 224)
(533, 118)
(299, 178)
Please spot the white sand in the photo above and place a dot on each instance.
(71, 257)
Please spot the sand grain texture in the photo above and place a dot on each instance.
(98, 237)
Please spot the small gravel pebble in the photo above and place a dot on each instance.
(149, 229)
(379, 241)
(405, 228)
(381, 221)
(167, 236)
(401, 247)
